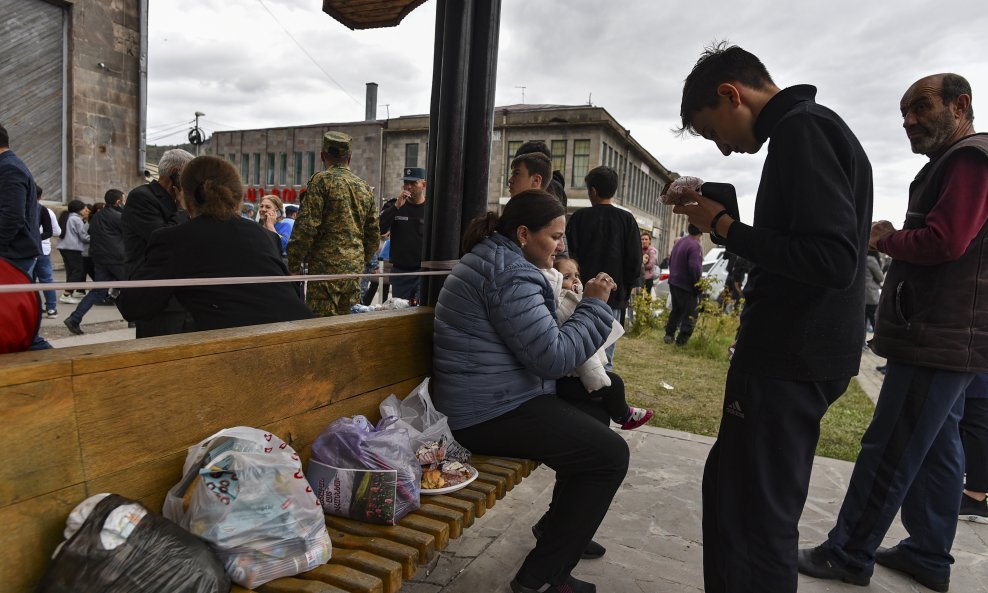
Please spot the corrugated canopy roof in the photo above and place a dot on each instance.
(369, 14)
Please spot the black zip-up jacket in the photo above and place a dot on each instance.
(803, 318)
(407, 226)
(149, 207)
(106, 244)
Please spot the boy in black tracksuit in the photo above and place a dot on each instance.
(802, 325)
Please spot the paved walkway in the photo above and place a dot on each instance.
(652, 532)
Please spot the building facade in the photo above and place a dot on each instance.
(281, 160)
(72, 78)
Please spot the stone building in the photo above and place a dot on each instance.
(580, 138)
(72, 78)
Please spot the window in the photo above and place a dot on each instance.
(412, 154)
(257, 168)
(245, 168)
(233, 158)
(581, 161)
(311, 164)
(298, 168)
(559, 156)
(269, 177)
(283, 169)
(513, 146)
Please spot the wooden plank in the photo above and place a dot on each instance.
(41, 440)
(453, 519)
(474, 497)
(423, 542)
(465, 508)
(383, 568)
(148, 484)
(507, 474)
(296, 585)
(487, 490)
(33, 366)
(518, 467)
(31, 531)
(129, 418)
(406, 556)
(137, 353)
(440, 530)
(499, 483)
(238, 589)
(345, 578)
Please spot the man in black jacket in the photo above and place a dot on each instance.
(933, 329)
(404, 217)
(106, 247)
(150, 207)
(802, 326)
(605, 238)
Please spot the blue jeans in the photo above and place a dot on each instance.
(42, 274)
(27, 265)
(103, 273)
(406, 287)
(911, 457)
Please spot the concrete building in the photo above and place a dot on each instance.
(72, 83)
(580, 138)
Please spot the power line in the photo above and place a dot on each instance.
(160, 127)
(308, 55)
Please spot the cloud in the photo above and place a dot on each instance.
(240, 66)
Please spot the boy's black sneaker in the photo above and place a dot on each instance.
(894, 558)
(821, 564)
(973, 510)
(572, 585)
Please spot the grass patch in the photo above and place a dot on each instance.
(697, 374)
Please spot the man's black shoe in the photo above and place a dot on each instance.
(821, 564)
(591, 552)
(73, 326)
(893, 558)
(572, 585)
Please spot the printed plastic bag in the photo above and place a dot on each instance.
(115, 545)
(364, 472)
(244, 492)
(424, 423)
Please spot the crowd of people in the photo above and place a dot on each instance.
(523, 350)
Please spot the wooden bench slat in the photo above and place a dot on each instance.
(345, 578)
(465, 508)
(506, 474)
(439, 528)
(518, 468)
(500, 483)
(383, 568)
(488, 490)
(406, 556)
(475, 497)
(296, 585)
(423, 542)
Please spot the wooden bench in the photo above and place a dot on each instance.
(120, 418)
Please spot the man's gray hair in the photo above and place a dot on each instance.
(175, 158)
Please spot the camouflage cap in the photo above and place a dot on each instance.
(337, 142)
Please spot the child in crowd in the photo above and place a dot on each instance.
(565, 281)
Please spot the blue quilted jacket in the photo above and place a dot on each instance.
(496, 342)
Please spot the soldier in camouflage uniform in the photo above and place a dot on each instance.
(336, 231)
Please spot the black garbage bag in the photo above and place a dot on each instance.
(156, 556)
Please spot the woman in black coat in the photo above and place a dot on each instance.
(215, 243)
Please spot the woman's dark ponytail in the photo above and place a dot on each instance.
(479, 228)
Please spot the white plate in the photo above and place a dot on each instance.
(473, 476)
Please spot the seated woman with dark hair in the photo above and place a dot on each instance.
(215, 243)
(500, 361)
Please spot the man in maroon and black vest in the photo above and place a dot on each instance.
(933, 328)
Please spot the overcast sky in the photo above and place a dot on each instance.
(239, 66)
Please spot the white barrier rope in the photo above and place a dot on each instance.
(40, 287)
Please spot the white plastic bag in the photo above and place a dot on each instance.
(244, 492)
(417, 415)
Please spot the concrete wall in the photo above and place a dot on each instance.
(103, 131)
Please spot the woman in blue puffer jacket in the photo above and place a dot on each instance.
(500, 362)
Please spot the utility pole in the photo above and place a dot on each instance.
(522, 93)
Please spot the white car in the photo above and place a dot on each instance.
(714, 266)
